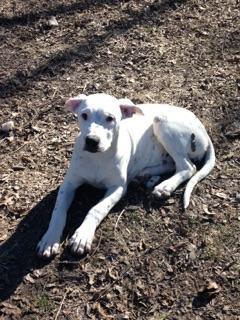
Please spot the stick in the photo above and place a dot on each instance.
(60, 307)
(118, 220)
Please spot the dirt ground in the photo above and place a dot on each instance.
(150, 260)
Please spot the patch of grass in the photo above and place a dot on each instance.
(226, 233)
(44, 303)
(162, 316)
(222, 235)
(193, 221)
(211, 253)
(149, 29)
(134, 216)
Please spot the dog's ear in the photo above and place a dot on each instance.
(128, 108)
(73, 103)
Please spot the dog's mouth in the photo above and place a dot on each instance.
(92, 149)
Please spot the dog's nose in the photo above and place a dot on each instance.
(92, 141)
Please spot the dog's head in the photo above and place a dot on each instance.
(99, 116)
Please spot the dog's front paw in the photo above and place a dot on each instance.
(49, 245)
(82, 239)
(162, 191)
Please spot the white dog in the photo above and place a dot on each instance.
(118, 142)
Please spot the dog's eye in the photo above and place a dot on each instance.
(109, 119)
(84, 116)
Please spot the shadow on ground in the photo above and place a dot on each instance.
(60, 9)
(18, 254)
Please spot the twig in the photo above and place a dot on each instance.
(23, 145)
(85, 85)
(61, 304)
(150, 98)
(54, 93)
(115, 228)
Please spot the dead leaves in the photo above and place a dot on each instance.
(8, 199)
(206, 210)
(32, 276)
(101, 311)
(11, 310)
(192, 249)
(210, 289)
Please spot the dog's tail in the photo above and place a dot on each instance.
(202, 173)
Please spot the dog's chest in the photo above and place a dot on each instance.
(97, 172)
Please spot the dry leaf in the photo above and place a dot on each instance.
(3, 237)
(37, 273)
(192, 251)
(111, 274)
(29, 278)
(142, 245)
(101, 311)
(210, 289)
(91, 279)
(205, 209)
(11, 310)
(53, 22)
(221, 195)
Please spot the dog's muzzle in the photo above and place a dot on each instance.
(92, 143)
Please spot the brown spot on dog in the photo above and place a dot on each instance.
(193, 142)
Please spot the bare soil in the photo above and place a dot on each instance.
(150, 260)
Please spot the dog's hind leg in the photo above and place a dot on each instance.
(185, 169)
(176, 140)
